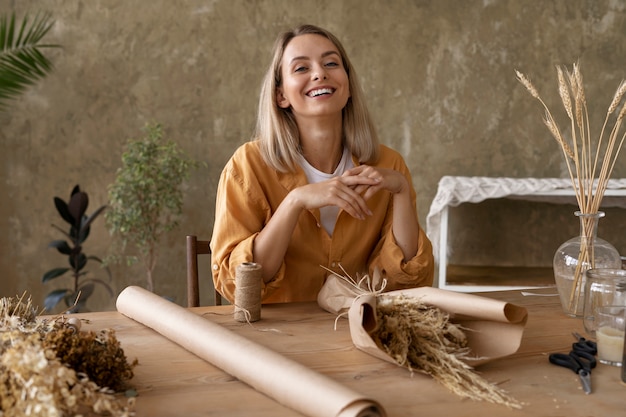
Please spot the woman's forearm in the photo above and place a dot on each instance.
(271, 243)
(405, 224)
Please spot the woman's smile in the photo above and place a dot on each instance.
(312, 68)
(320, 92)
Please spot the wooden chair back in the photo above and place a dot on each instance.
(196, 247)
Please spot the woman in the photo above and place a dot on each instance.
(315, 189)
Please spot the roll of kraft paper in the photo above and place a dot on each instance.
(288, 382)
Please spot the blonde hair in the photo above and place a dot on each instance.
(276, 127)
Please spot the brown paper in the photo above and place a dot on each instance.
(338, 293)
(493, 328)
(280, 378)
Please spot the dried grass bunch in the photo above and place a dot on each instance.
(590, 161)
(35, 378)
(422, 338)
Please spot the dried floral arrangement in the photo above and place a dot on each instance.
(422, 338)
(589, 162)
(49, 367)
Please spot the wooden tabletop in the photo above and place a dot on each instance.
(173, 382)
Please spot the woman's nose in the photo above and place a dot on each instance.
(319, 74)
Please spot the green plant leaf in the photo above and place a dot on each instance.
(53, 273)
(78, 206)
(63, 210)
(86, 290)
(53, 298)
(104, 265)
(22, 62)
(78, 262)
(104, 284)
(74, 234)
(86, 222)
(146, 198)
(61, 245)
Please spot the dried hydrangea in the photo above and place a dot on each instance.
(35, 376)
(99, 356)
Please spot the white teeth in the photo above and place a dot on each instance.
(320, 91)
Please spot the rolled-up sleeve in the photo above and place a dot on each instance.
(388, 256)
(240, 215)
(416, 272)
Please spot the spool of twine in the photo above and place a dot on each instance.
(248, 292)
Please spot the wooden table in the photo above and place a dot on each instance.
(173, 382)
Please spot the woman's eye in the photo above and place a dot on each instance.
(300, 68)
(332, 64)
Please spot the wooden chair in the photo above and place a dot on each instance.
(196, 247)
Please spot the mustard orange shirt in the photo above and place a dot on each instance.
(250, 191)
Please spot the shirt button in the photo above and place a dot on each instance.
(334, 264)
(215, 267)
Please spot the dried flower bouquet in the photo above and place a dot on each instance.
(422, 338)
(413, 334)
(589, 162)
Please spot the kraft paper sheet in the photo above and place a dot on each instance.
(493, 328)
(286, 381)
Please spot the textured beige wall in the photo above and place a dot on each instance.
(438, 74)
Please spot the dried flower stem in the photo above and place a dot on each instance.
(581, 155)
(422, 338)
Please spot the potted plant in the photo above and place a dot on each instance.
(22, 62)
(146, 197)
(74, 213)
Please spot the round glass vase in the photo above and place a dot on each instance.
(574, 257)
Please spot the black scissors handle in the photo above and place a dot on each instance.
(584, 345)
(574, 360)
(564, 360)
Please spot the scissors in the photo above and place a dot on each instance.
(584, 345)
(581, 360)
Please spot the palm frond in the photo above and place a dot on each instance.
(22, 62)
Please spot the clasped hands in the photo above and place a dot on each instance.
(351, 190)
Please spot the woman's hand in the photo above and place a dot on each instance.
(271, 243)
(351, 191)
(405, 225)
(343, 192)
(386, 179)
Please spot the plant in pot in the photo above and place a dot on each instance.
(146, 198)
(74, 213)
(22, 62)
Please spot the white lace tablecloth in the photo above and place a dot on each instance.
(453, 191)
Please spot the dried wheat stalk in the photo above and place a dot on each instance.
(588, 161)
(422, 338)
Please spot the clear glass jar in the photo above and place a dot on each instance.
(603, 287)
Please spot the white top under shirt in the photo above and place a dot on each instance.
(328, 214)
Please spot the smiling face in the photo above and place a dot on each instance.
(314, 80)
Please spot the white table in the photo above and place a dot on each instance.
(455, 190)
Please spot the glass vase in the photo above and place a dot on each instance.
(574, 257)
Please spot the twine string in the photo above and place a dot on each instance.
(258, 329)
(366, 285)
(248, 292)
